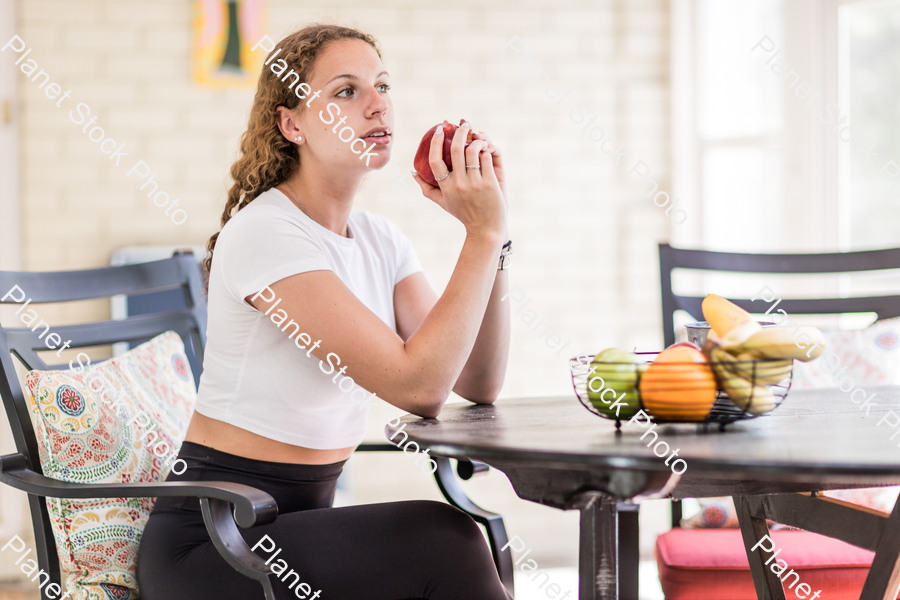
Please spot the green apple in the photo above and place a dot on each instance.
(619, 371)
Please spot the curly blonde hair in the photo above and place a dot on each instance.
(266, 158)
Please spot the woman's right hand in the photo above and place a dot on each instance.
(473, 196)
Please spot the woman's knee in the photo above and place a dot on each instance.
(443, 518)
(436, 511)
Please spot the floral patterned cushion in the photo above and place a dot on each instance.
(882, 498)
(719, 513)
(121, 421)
(715, 513)
(871, 355)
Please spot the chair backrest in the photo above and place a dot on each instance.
(179, 272)
(837, 262)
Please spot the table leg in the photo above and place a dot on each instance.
(884, 574)
(598, 550)
(629, 550)
(752, 518)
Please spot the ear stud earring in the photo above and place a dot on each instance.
(298, 138)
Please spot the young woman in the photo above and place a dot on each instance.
(269, 412)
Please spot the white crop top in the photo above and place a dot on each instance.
(254, 375)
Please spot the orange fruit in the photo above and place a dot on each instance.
(679, 385)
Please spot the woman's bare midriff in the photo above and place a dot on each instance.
(234, 440)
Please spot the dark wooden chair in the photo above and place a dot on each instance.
(225, 506)
(752, 509)
(836, 262)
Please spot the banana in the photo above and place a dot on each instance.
(776, 342)
(720, 359)
(760, 372)
(729, 321)
(718, 356)
(762, 401)
(737, 388)
(755, 399)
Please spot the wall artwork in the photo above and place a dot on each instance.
(223, 33)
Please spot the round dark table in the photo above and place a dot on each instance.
(556, 453)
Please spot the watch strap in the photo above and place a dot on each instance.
(505, 251)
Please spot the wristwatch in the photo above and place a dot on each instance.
(505, 251)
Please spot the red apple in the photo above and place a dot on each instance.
(421, 160)
(685, 344)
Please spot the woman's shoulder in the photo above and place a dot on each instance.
(268, 225)
(271, 202)
(264, 242)
(268, 212)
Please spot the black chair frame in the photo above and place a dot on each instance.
(671, 258)
(225, 506)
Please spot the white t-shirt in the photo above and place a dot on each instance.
(254, 375)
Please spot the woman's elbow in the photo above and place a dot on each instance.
(430, 412)
(428, 403)
(483, 394)
(482, 399)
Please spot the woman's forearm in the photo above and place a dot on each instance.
(440, 347)
(483, 374)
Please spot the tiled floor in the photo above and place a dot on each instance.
(567, 579)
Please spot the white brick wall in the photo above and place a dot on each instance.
(585, 236)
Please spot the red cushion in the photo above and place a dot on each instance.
(711, 564)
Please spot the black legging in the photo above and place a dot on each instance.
(391, 551)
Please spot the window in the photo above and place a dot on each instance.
(739, 123)
(771, 172)
(868, 88)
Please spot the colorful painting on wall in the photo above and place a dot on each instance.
(224, 33)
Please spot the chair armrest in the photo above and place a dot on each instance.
(493, 523)
(252, 507)
(456, 496)
(231, 545)
(466, 468)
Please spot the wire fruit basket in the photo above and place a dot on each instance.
(678, 392)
